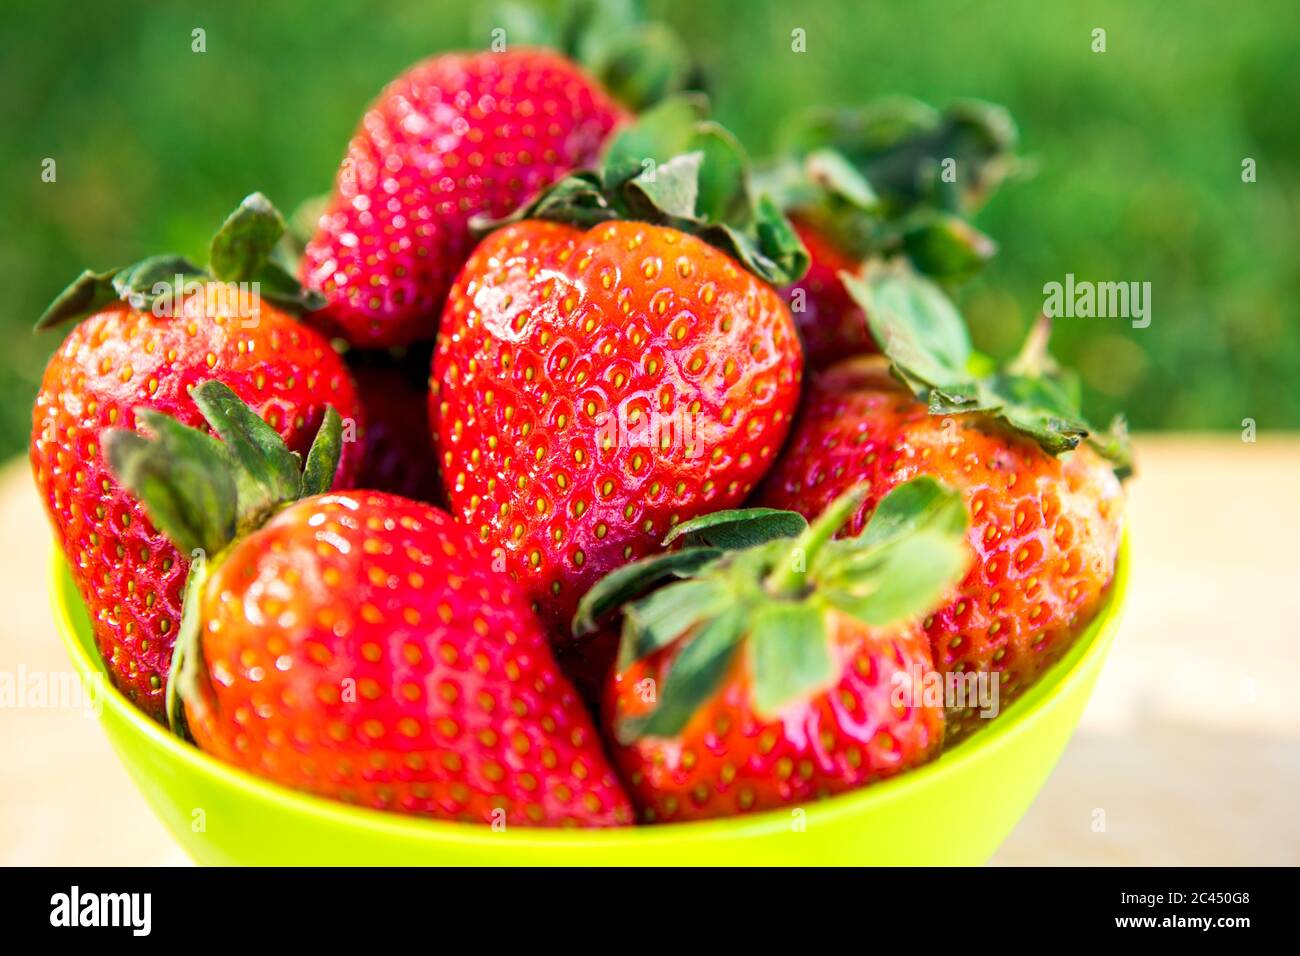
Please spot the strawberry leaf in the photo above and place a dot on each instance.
(726, 193)
(323, 456)
(245, 250)
(661, 617)
(640, 66)
(158, 277)
(1113, 445)
(266, 471)
(915, 325)
(790, 579)
(898, 145)
(279, 287)
(911, 506)
(900, 580)
(182, 477)
(673, 190)
(87, 294)
(911, 551)
(187, 676)
(201, 492)
(828, 170)
(142, 285)
(923, 336)
(578, 199)
(633, 580)
(770, 248)
(241, 251)
(666, 130)
(1036, 406)
(896, 179)
(246, 239)
(946, 247)
(695, 675)
(791, 656)
(737, 529)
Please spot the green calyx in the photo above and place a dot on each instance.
(899, 145)
(638, 61)
(768, 580)
(898, 178)
(675, 168)
(244, 250)
(925, 339)
(204, 493)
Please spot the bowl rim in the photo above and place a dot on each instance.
(1011, 723)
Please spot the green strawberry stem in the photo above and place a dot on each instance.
(1033, 359)
(205, 494)
(789, 579)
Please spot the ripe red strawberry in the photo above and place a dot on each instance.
(781, 669)
(454, 136)
(357, 645)
(150, 354)
(554, 338)
(394, 391)
(594, 387)
(894, 178)
(1045, 524)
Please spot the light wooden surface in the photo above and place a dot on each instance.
(1189, 752)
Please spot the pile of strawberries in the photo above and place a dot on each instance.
(574, 473)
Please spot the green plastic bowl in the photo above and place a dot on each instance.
(954, 811)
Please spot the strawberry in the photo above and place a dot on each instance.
(765, 670)
(1046, 506)
(453, 136)
(394, 391)
(892, 179)
(594, 386)
(146, 344)
(356, 645)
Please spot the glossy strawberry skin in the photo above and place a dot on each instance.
(361, 647)
(394, 391)
(833, 327)
(558, 349)
(1045, 531)
(455, 135)
(728, 760)
(119, 359)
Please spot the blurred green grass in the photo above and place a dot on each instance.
(1137, 152)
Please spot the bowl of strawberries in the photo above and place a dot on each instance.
(576, 494)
